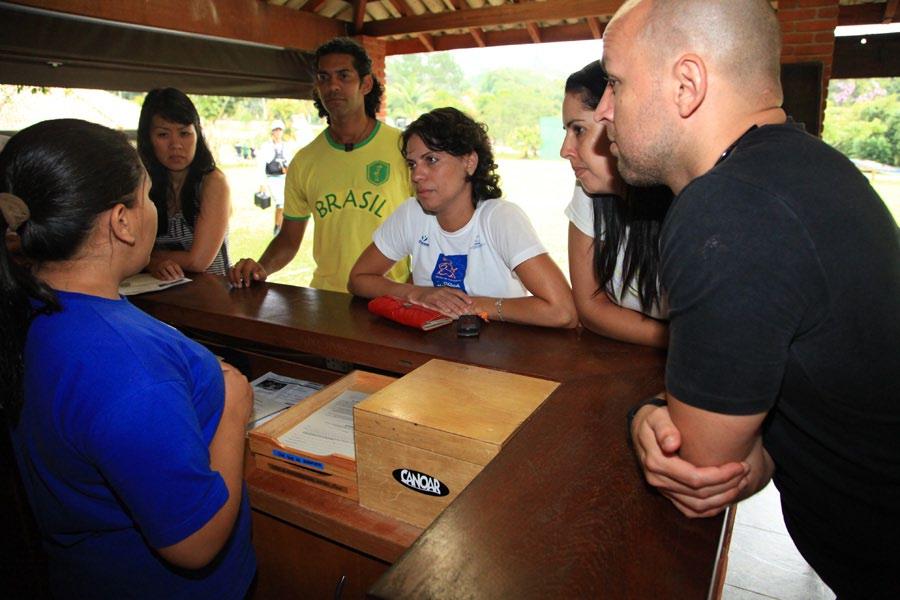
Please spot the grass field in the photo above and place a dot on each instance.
(542, 188)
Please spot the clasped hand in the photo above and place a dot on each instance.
(695, 491)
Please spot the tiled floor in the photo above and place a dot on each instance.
(763, 562)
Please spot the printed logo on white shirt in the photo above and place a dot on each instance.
(450, 271)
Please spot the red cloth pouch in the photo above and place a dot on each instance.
(395, 309)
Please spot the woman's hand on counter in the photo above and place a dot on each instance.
(447, 300)
(165, 269)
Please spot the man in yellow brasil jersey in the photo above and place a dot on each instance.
(348, 179)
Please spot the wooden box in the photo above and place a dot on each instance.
(335, 472)
(423, 438)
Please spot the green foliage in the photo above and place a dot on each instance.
(863, 119)
(512, 101)
(286, 108)
(419, 83)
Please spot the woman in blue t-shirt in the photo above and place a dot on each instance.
(192, 197)
(614, 227)
(129, 437)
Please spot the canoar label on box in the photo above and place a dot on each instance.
(421, 482)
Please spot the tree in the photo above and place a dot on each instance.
(418, 83)
(512, 101)
(863, 119)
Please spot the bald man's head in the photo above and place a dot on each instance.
(739, 38)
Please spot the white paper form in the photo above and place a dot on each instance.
(273, 393)
(145, 282)
(329, 430)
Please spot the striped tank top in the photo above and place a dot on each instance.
(181, 237)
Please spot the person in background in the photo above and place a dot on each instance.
(129, 437)
(348, 179)
(191, 195)
(614, 227)
(275, 163)
(782, 268)
(471, 252)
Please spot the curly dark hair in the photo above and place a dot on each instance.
(173, 105)
(454, 132)
(363, 66)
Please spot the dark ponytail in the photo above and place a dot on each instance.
(67, 172)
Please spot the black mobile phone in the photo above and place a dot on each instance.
(468, 326)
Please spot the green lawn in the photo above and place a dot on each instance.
(888, 187)
(542, 187)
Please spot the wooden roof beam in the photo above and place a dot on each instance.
(533, 32)
(596, 28)
(401, 7)
(557, 33)
(426, 41)
(477, 36)
(313, 6)
(890, 11)
(359, 14)
(244, 20)
(504, 14)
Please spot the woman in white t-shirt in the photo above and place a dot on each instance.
(615, 282)
(470, 251)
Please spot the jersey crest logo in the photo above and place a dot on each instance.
(378, 172)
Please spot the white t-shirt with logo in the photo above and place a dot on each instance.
(478, 259)
(581, 213)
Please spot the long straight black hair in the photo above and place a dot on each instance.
(67, 172)
(173, 105)
(629, 225)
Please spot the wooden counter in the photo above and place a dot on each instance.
(561, 512)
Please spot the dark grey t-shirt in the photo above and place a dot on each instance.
(782, 267)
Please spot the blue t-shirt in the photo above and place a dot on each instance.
(113, 447)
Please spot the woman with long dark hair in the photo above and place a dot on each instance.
(614, 227)
(129, 437)
(191, 195)
(471, 252)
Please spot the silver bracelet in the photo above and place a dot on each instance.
(499, 304)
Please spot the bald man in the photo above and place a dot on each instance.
(782, 267)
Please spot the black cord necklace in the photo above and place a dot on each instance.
(731, 148)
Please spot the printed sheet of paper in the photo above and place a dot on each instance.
(329, 430)
(145, 282)
(273, 393)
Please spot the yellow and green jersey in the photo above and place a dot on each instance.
(348, 195)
